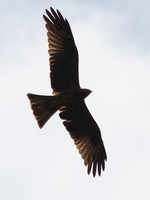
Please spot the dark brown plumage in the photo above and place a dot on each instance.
(68, 97)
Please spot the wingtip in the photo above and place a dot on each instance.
(51, 8)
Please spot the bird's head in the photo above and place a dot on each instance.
(86, 92)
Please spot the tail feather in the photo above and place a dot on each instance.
(43, 107)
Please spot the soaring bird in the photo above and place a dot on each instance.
(68, 97)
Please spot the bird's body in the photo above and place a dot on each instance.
(45, 106)
(68, 97)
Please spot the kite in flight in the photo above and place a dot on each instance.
(68, 97)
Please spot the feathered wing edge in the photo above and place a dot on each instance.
(94, 156)
(86, 135)
(63, 52)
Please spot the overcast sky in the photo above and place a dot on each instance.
(113, 40)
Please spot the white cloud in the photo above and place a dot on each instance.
(113, 43)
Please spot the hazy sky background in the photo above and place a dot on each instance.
(113, 40)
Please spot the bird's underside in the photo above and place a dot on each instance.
(68, 97)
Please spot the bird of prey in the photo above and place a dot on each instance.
(68, 97)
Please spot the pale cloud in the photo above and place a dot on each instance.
(113, 42)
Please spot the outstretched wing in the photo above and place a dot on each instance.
(86, 135)
(63, 52)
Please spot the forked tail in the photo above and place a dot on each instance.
(43, 107)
